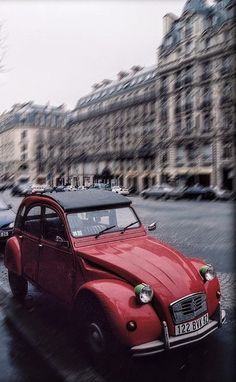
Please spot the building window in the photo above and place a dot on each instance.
(180, 153)
(227, 151)
(23, 134)
(23, 148)
(24, 156)
(207, 152)
(206, 123)
(188, 125)
(227, 121)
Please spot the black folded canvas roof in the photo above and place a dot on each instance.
(88, 199)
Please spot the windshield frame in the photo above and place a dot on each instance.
(116, 231)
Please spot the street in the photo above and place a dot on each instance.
(198, 229)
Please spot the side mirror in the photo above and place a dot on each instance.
(152, 226)
(61, 242)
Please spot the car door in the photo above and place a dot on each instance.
(30, 241)
(56, 263)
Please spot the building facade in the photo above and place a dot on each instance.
(196, 95)
(113, 134)
(32, 143)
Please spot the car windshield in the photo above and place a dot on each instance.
(92, 222)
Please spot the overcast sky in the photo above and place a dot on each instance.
(56, 50)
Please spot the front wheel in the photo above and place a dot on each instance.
(94, 330)
(18, 285)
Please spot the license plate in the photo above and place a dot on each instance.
(4, 234)
(191, 326)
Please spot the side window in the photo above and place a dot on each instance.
(53, 226)
(32, 221)
(19, 217)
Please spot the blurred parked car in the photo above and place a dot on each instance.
(7, 219)
(69, 187)
(3, 186)
(59, 189)
(101, 186)
(157, 191)
(221, 194)
(199, 192)
(120, 190)
(175, 193)
(21, 189)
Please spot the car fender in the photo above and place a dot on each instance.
(120, 306)
(212, 288)
(12, 256)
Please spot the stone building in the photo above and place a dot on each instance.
(32, 142)
(196, 94)
(113, 133)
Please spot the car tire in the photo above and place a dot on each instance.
(18, 285)
(94, 330)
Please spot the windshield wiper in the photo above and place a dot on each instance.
(103, 230)
(129, 225)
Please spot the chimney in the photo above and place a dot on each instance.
(136, 68)
(168, 20)
(96, 86)
(106, 82)
(122, 74)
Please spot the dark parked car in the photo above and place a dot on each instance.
(156, 192)
(7, 219)
(221, 194)
(199, 192)
(59, 189)
(101, 186)
(21, 189)
(128, 292)
(176, 193)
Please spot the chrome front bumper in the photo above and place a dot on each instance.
(168, 342)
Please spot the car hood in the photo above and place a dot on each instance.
(147, 260)
(6, 217)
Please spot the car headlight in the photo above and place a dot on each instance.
(207, 272)
(144, 293)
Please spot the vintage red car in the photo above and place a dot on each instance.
(125, 288)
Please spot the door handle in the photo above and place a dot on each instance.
(20, 237)
(40, 245)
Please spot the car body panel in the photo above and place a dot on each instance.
(109, 266)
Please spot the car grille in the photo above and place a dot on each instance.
(189, 307)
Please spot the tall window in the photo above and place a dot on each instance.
(207, 152)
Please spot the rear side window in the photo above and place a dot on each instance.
(53, 226)
(32, 221)
(19, 217)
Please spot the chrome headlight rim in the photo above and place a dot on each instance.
(208, 272)
(144, 293)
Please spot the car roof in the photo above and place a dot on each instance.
(87, 199)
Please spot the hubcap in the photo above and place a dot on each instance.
(96, 338)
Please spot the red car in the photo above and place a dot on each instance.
(126, 290)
